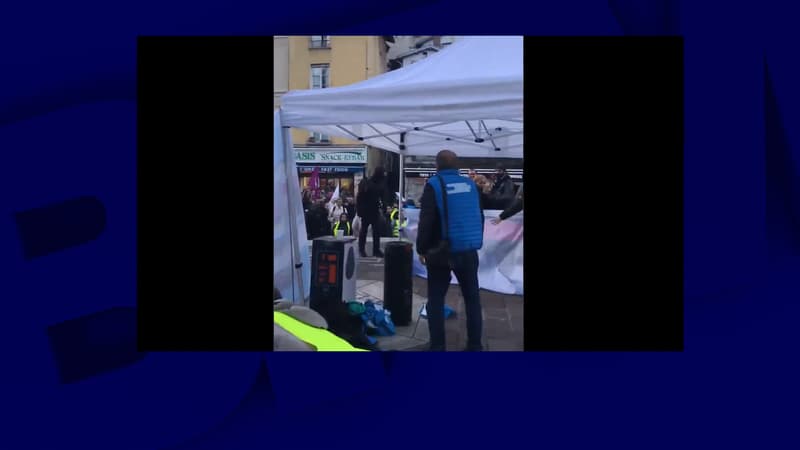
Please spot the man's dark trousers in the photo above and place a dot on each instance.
(376, 234)
(465, 267)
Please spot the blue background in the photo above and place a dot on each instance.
(67, 130)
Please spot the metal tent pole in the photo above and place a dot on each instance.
(288, 155)
(402, 146)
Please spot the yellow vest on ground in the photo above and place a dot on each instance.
(319, 338)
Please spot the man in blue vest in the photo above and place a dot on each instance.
(465, 236)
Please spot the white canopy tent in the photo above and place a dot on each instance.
(467, 98)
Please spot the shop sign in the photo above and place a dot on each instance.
(310, 169)
(355, 156)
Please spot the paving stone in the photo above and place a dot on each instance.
(404, 331)
(517, 326)
(362, 283)
(514, 310)
(495, 303)
(502, 316)
(499, 313)
(456, 325)
(497, 329)
(503, 345)
(374, 290)
(398, 342)
(455, 341)
(490, 294)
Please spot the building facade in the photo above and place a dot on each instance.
(280, 68)
(319, 62)
(406, 50)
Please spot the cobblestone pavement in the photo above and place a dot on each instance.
(502, 314)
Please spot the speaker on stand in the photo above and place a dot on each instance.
(333, 280)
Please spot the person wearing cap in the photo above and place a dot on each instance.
(503, 191)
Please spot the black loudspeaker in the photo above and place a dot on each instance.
(333, 280)
(398, 283)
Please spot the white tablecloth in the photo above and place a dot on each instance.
(500, 268)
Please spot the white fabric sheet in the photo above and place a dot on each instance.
(500, 260)
(286, 188)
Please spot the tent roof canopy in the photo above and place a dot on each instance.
(467, 97)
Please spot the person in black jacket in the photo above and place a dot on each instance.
(306, 200)
(515, 207)
(503, 191)
(318, 224)
(372, 195)
(349, 207)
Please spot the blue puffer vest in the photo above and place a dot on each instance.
(464, 215)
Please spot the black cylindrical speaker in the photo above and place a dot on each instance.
(398, 284)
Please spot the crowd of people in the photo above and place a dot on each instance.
(377, 209)
(324, 217)
(444, 246)
(497, 193)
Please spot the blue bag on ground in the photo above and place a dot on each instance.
(377, 320)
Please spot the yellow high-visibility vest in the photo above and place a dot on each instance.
(336, 228)
(396, 223)
(319, 338)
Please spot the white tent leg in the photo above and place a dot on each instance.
(299, 293)
(402, 186)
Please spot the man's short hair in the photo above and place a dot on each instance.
(446, 159)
